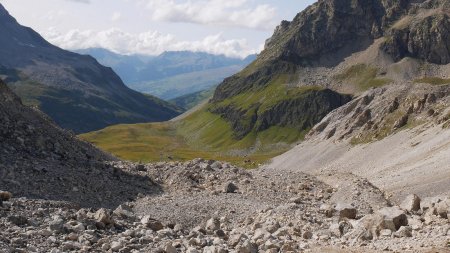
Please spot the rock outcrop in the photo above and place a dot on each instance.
(423, 34)
(301, 112)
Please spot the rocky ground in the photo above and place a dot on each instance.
(209, 206)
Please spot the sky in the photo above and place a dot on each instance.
(235, 28)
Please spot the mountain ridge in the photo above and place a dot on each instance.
(170, 74)
(76, 91)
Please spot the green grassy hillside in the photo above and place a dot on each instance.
(202, 134)
(261, 131)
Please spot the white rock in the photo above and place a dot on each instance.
(192, 250)
(116, 246)
(213, 224)
(411, 203)
(169, 248)
(102, 215)
(386, 233)
(393, 218)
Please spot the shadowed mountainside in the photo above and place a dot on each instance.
(74, 90)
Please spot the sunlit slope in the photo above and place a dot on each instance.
(209, 134)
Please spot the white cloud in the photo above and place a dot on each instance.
(213, 12)
(81, 1)
(151, 42)
(116, 16)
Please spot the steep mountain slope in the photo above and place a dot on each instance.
(40, 160)
(76, 91)
(330, 49)
(395, 135)
(171, 74)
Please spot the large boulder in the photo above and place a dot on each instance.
(152, 223)
(411, 203)
(346, 211)
(213, 224)
(103, 216)
(393, 218)
(443, 208)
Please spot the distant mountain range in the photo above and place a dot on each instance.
(171, 74)
(75, 90)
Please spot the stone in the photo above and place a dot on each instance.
(75, 226)
(220, 233)
(393, 218)
(5, 196)
(116, 246)
(192, 250)
(411, 203)
(69, 246)
(230, 187)
(72, 237)
(213, 224)
(246, 247)
(404, 231)
(385, 233)
(261, 234)
(401, 122)
(296, 200)
(18, 220)
(443, 209)
(307, 235)
(57, 225)
(334, 230)
(141, 167)
(346, 211)
(124, 211)
(327, 210)
(103, 216)
(271, 226)
(151, 223)
(430, 202)
(106, 246)
(415, 223)
(169, 248)
(235, 239)
(345, 227)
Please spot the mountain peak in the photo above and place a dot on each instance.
(5, 16)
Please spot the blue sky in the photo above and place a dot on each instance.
(230, 27)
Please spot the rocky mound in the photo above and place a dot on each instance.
(38, 159)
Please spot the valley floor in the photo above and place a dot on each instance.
(209, 206)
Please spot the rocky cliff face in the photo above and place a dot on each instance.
(301, 112)
(74, 90)
(424, 33)
(321, 35)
